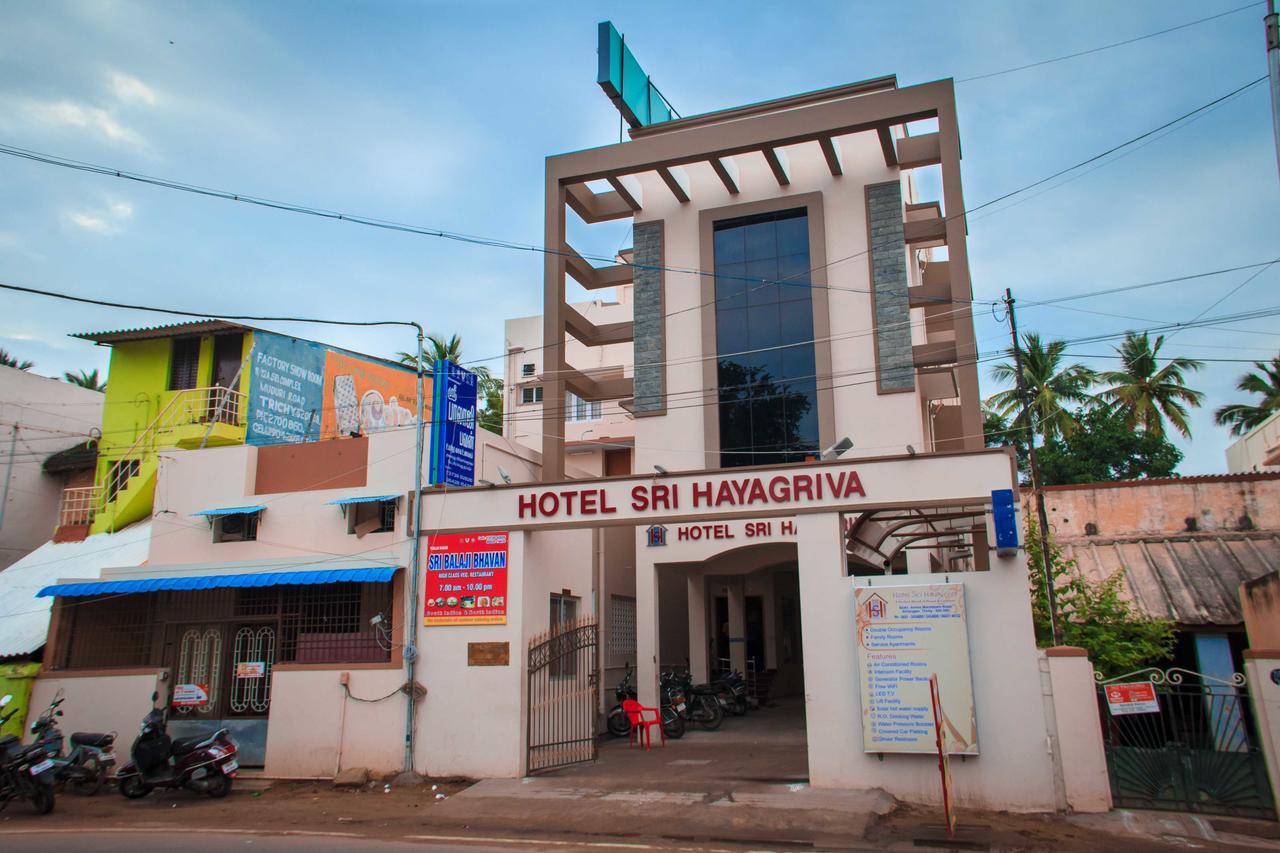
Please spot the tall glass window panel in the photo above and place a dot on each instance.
(764, 340)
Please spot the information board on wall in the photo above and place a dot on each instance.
(466, 579)
(453, 425)
(905, 636)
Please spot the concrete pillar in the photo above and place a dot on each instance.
(770, 623)
(830, 651)
(919, 562)
(1080, 751)
(646, 623)
(1262, 671)
(738, 623)
(698, 639)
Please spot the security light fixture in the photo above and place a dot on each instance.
(662, 472)
(911, 451)
(837, 450)
(485, 482)
(502, 472)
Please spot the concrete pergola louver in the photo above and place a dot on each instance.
(765, 129)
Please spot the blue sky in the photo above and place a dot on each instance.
(440, 114)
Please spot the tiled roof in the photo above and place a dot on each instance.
(170, 330)
(1191, 580)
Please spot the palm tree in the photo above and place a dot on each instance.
(7, 360)
(439, 349)
(1242, 417)
(1050, 389)
(86, 379)
(1147, 393)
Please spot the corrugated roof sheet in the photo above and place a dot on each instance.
(170, 330)
(24, 619)
(362, 499)
(232, 510)
(1191, 580)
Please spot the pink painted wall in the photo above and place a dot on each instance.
(115, 703)
(1080, 754)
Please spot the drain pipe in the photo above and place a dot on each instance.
(415, 554)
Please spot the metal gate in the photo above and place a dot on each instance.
(1196, 751)
(563, 696)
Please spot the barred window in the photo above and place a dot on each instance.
(114, 631)
(622, 630)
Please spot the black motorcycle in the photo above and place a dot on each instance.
(86, 768)
(731, 687)
(702, 701)
(619, 725)
(26, 772)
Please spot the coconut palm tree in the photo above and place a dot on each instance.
(7, 360)
(1050, 387)
(86, 379)
(1146, 393)
(1242, 417)
(438, 348)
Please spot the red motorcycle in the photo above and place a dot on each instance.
(204, 763)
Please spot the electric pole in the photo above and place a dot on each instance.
(1042, 522)
(1272, 24)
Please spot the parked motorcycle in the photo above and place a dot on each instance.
(619, 725)
(204, 762)
(731, 687)
(92, 755)
(702, 700)
(26, 772)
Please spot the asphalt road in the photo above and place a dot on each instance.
(126, 841)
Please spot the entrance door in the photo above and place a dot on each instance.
(228, 353)
(199, 673)
(563, 695)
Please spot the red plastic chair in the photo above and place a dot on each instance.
(639, 723)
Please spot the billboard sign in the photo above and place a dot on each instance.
(466, 579)
(625, 82)
(304, 391)
(453, 426)
(908, 636)
(286, 390)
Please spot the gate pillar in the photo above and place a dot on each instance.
(1080, 753)
(830, 653)
(1262, 669)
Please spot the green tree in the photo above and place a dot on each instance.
(997, 433)
(488, 387)
(1146, 393)
(1051, 389)
(490, 417)
(1242, 417)
(7, 360)
(1106, 448)
(1094, 615)
(86, 379)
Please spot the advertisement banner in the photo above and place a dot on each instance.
(1134, 697)
(286, 390)
(466, 579)
(190, 695)
(362, 397)
(453, 426)
(907, 635)
(251, 669)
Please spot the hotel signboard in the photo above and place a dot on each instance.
(908, 636)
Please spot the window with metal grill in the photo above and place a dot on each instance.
(622, 630)
(578, 409)
(184, 368)
(109, 632)
(371, 517)
(236, 527)
(526, 370)
(531, 395)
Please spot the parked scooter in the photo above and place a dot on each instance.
(26, 773)
(92, 755)
(205, 762)
(702, 700)
(731, 687)
(673, 725)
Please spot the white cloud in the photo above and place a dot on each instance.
(63, 114)
(131, 90)
(105, 222)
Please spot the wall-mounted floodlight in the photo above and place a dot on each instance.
(837, 450)
(911, 451)
(502, 472)
(485, 482)
(662, 472)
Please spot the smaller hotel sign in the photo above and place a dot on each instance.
(1137, 697)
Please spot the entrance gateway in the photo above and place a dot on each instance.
(1016, 767)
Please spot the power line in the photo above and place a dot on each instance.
(1092, 50)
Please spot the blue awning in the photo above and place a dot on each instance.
(232, 510)
(362, 499)
(380, 574)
